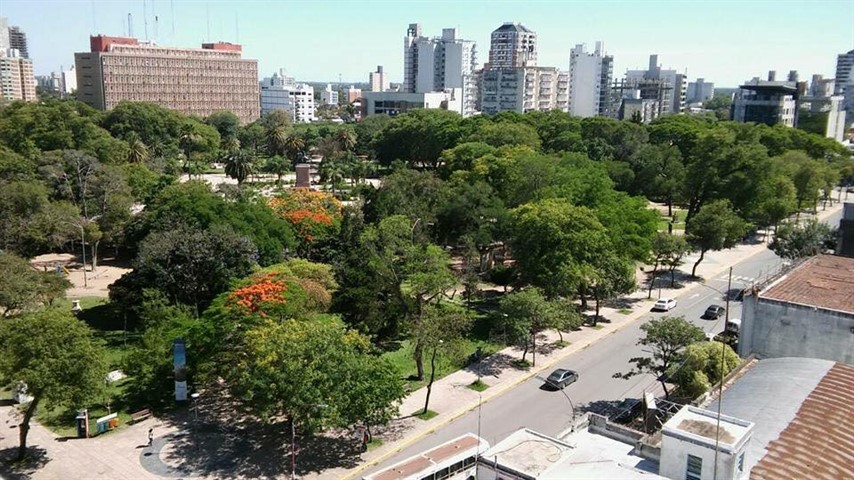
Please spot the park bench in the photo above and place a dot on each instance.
(140, 415)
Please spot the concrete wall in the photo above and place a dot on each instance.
(772, 329)
(674, 460)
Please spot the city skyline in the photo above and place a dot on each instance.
(702, 39)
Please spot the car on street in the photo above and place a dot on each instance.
(664, 304)
(713, 312)
(562, 377)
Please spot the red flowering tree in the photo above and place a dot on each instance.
(312, 214)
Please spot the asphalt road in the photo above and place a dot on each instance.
(529, 405)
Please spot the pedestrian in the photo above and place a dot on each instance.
(150, 436)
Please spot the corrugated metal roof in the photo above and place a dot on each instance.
(819, 442)
(826, 281)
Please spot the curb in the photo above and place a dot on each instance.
(532, 372)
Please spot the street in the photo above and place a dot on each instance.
(549, 412)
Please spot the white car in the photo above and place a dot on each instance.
(664, 304)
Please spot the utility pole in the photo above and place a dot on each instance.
(721, 382)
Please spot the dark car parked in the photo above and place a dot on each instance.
(714, 311)
(560, 378)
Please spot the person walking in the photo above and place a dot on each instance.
(150, 436)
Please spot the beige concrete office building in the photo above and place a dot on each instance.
(193, 81)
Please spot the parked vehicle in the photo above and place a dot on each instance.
(561, 377)
(714, 312)
(733, 326)
(664, 304)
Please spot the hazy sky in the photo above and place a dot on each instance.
(726, 42)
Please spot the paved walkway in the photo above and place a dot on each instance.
(123, 454)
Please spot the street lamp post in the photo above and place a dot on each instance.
(721, 381)
(195, 397)
(549, 382)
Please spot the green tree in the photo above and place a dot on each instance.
(715, 227)
(506, 133)
(137, 151)
(659, 173)
(239, 165)
(441, 329)
(795, 241)
(294, 148)
(776, 201)
(368, 131)
(555, 244)
(418, 137)
(808, 181)
(524, 315)
(226, 123)
(332, 171)
(720, 105)
(22, 288)
(278, 166)
(701, 367)
(665, 339)
(612, 276)
(667, 251)
(313, 372)
(56, 357)
(191, 266)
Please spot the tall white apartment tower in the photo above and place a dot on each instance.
(844, 72)
(410, 57)
(589, 81)
(440, 63)
(512, 46)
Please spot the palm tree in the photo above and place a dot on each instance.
(277, 165)
(277, 138)
(239, 165)
(328, 147)
(187, 141)
(137, 151)
(332, 171)
(346, 140)
(294, 147)
(231, 144)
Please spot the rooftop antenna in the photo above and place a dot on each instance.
(154, 14)
(145, 18)
(130, 24)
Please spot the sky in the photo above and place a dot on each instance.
(726, 42)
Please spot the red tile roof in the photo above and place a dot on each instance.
(819, 442)
(826, 281)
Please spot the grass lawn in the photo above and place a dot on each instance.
(680, 220)
(108, 326)
(478, 385)
(424, 416)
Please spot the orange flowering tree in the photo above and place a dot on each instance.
(312, 214)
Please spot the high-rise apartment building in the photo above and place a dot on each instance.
(667, 88)
(512, 45)
(700, 91)
(440, 63)
(193, 81)
(18, 41)
(16, 78)
(524, 90)
(281, 92)
(378, 80)
(844, 72)
(589, 81)
(4, 35)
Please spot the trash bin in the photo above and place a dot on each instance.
(114, 422)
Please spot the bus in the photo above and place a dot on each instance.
(451, 460)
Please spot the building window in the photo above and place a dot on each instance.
(741, 462)
(695, 468)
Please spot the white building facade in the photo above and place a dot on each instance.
(378, 80)
(589, 81)
(329, 96)
(524, 90)
(281, 92)
(700, 91)
(439, 64)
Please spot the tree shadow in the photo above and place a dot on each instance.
(11, 470)
(492, 365)
(614, 410)
(622, 302)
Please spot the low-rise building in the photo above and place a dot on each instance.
(395, 103)
(807, 312)
(769, 101)
(700, 91)
(329, 96)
